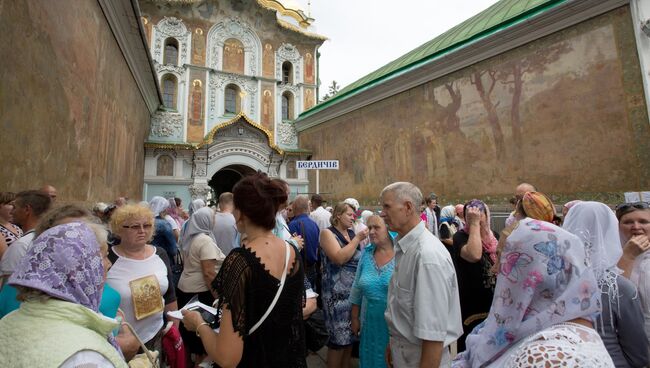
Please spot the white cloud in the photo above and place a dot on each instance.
(365, 35)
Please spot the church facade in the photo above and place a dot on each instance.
(234, 75)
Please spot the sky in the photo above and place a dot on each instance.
(367, 34)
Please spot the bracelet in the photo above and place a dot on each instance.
(199, 326)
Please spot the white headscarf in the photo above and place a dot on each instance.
(196, 205)
(201, 222)
(364, 216)
(543, 280)
(158, 204)
(596, 225)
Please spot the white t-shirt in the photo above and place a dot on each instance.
(202, 248)
(172, 222)
(151, 276)
(321, 217)
(15, 253)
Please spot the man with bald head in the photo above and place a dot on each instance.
(521, 189)
(50, 191)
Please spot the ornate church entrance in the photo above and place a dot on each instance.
(224, 179)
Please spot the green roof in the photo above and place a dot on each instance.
(499, 16)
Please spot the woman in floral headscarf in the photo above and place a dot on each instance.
(60, 282)
(596, 225)
(474, 253)
(545, 302)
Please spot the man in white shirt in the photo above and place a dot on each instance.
(320, 215)
(423, 310)
(29, 206)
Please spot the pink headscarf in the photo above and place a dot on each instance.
(488, 240)
(173, 212)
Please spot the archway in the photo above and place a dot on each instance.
(226, 178)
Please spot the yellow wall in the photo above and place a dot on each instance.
(71, 114)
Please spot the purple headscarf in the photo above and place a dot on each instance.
(65, 263)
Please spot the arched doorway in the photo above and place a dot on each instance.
(226, 178)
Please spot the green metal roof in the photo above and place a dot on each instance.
(498, 17)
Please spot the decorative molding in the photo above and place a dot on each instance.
(288, 52)
(171, 27)
(199, 171)
(209, 138)
(164, 151)
(199, 190)
(287, 135)
(123, 17)
(217, 85)
(236, 28)
(562, 16)
(166, 124)
(161, 68)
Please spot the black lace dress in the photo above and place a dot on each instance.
(247, 288)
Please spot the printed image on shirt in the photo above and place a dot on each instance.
(147, 298)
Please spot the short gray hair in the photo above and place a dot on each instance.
(405, 192)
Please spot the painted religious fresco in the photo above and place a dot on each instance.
(565, 112)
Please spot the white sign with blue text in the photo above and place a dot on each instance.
(318, 165)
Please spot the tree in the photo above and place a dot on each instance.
(333, 89)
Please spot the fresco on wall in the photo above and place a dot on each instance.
(198, 47)
(268, 61)
(309, 68)
(233, 56)
(554, 112)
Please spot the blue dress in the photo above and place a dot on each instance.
(370, 292)
(336, 286)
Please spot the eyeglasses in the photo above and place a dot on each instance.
(623, 208)
(138, 227)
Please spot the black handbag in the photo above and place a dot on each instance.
(316, 335)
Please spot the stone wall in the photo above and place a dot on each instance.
(70, 111)
(566, 113)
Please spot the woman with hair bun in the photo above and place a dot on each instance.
(260, 288)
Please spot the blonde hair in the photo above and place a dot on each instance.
(339, 209)
(129, 212)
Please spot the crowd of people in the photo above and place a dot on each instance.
(410, 284)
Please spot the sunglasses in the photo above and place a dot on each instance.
(138, 227)
(623, 208)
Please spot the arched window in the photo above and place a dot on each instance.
(233, 56)
(232, 101)
(169, 85)
(287, 73)
(165, 166)
(171, 51)
(287, 106)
